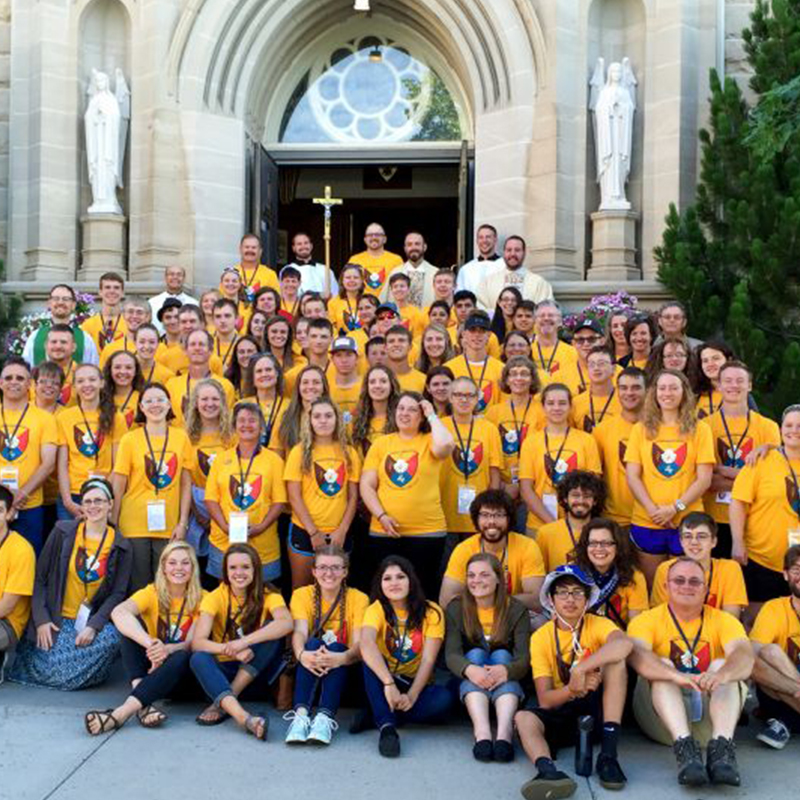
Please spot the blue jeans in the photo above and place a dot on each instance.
(432, 704)
(330, 686)
(61, 511)
(269, 572)
(29, 524)
(215, 676)
(484, 658)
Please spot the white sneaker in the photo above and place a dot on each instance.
(775, 734)
(298, 730)
(322, 729)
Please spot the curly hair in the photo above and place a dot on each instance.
(423, 363)
(641, 319)
(651, 413)
(587, 482)
(655, 362)
(497, 499)
(511, 335)
(702, 383)
(417, 397)
(626, 558)
(194, 422)
(515, 362)
(307, 436)
(365, 410)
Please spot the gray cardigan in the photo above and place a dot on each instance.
(52, 569)
(457, 643)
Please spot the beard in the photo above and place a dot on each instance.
(494, 534)
(794, 588)
(581, 513)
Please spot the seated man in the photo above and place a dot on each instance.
(578, 665)
(492, 513)
(17, 572)
(776, 641)
(693, 661)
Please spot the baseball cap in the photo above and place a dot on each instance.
(387, 307)
(344, 343)
(478, 319)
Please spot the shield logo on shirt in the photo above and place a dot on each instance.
(469, 462)
(90, 569)
(556, 470)
(176, 633)
(511, 441)
(403, 650)
(163, 477)
(129, 415)
(711, 600)
(622, 448)
(204, 461)
(484, 397)
(87, 445)
(554, 367)
(351, 321)
(588, 425)
(66, 394)
(733, 457)
(401, 468)
(14, 445)
(330, 477)
(375, 279)
(684, 661)
(668, 460)
(250, 291)
(791, 496)
(245, 495)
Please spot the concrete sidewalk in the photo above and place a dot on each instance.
(45, 753)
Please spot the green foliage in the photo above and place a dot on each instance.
(734, 256)
(10, 311)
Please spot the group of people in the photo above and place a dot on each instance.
(416, 472)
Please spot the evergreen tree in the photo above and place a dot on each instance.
(734, 256)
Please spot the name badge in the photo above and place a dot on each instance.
(724, 498)
(347, 417)
(466, 494)
(237, 527)
(156, 516)
(9, 477)
(550, 502)
(793, 536)
(514, 475)
(329, 638)
(82, 617)
(695, 706)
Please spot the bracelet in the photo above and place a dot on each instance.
(391, 683)
(380, 516)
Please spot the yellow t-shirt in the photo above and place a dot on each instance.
(484, 451)
(89, 453)
(203, 455)
(104, 334)
(180, 388)
(514, 424)
(17, 573)
(656, 629)
(485, 375)
(413, 319)
(408, 484)
(631, 597)
(402, 648)
(226, 611)
(272, 414)
(545, 461)
(174, 358)
(411, 381)
(23, 434)
(725, 584)
(343, 316)
(376, 269)
(127, 405)
(708, 403)
(779, 623)
(522, 559)
(255, 279)
(87, 569)
(769, 489)
(557, 541)
(176, 627)
(151, 478)
(560, 364)
(589, 411)
(346, 397)
(255, 491)
(355, 604)
(324, 486)
(669, 465)
(123, 343)
(744, 435)
(157, 373)
(544, 661)
(612, 441)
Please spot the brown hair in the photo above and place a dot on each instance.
(469, 608)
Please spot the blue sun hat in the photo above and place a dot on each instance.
(564, 571)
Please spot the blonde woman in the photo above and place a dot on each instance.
(435, 349)
(157, 625)
(669, 463)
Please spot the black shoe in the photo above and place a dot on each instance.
(503, 751)
(721, 762)
(691, 771)
(482, 750)
(362, 721)
(610, 773)
(389, 742)
(549, 785)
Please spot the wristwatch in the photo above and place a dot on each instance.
(680, 505)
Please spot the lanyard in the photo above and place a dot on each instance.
(582, 380)
(710, 580)
(570, 531)
(127, 400)
(503, 557)
(177, 628)
(794, 480)
(95, 558)
(688, 659)
(518, 426)
(13, 435)
(711, 408)
(244, 475)
(153, 456)
(110, 333)
(228, 351)
(605, 407)
(564, 668)
(546, 367)
(95, 439)
(150, 376)
(248, 283)
(270, 421)
(399, 636)
(558, 454)
(734, 449)
(231, 627)
(464, 460)
(479, 382)
(351, 317)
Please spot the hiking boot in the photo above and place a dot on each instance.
(549, 784)
(298, 730)
(322, 729)
(691, 771)
(389, 742)
(775, 734)
(721, 762)
(610, 773)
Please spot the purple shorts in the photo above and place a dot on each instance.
(657, 541)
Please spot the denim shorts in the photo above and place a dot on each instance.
(269, 572)
(657, 541)
(300, 542)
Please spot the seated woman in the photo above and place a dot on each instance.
(401, 637)
(327, 631)
(81, 576)
(156, 624)
(238, 636)
(487, 646)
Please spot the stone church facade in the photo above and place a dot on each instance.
(242, 110)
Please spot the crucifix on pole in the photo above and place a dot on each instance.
(328, 202)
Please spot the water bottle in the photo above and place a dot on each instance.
(584, 758)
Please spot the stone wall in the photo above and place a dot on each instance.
(737, 17)
(5, 97)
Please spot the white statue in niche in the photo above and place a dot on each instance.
(106, 121)
(613, 101)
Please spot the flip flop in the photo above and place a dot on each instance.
(151, 717)
(252, 723)
(220, 717)
(108, 722)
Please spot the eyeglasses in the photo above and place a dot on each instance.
(586, 339)
(794, 572)
(61, 298)
(98, 501)
(563, 594)
(334, 570)
(48, 382)
(464, 395)
(688, 536)
(493, 515)
(692, 583)
(594, 545)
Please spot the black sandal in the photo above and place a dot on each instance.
(108, 722)
(151, 717)
(251, 726)
(208, 723)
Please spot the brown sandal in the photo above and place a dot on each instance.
(208, 721)
(108, 722)
(251, 725)
(151, 717)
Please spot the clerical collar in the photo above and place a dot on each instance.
(301, 262)
(494, 257)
